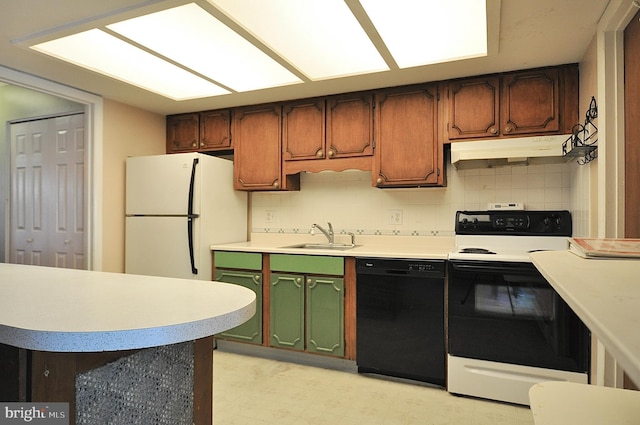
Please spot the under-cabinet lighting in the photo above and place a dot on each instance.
(430, 31)
(322, 39)
(101, 52)
(193, 37)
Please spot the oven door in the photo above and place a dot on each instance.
(507, 312)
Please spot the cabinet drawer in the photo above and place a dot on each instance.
(318, 264)
(238, 260)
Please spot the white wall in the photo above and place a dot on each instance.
(352, 205)
(128, 131)
(584, 178)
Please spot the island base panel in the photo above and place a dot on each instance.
(168, 384)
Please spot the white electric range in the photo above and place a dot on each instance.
(507, 328)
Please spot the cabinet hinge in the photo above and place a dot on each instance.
(438, 172)
(438, 96)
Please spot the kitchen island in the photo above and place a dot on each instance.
(116, 347)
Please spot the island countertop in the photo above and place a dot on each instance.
(65, 310)
(605, 294)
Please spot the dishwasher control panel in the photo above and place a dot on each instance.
(400, 266)
(422, 267)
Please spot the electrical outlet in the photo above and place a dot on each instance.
(270, 216)
(394, 216)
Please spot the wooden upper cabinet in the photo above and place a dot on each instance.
(349, 126)
(531, 102)
(474, 108)
(183, 132)
(333, 133)
(408, 152)
(338, 127)
(215, 130)
(257, 149)
(199, 131)
(303, 126)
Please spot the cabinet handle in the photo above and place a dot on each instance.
(308, 281)
(29, 240)
(257, 277)
(194, 145)
(508, 129)
(201, 144)
(276, 184)
(379, 180)
(298, 280)
(331, 153)
(493, 130)
(319, 154)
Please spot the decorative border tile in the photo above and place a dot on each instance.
(370, 232)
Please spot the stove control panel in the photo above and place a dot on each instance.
(535, 223)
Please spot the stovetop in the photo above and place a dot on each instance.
(509, 235)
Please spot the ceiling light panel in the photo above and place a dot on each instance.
(322, 39)
(108, 55)
(423, 32)
(194, 38)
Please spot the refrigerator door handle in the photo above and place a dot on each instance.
(191, 216)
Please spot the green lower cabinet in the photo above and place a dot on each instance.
(318, 299)
(325, 315)
(251, 330)
(287, 311)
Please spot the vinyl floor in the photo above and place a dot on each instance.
(257, 391)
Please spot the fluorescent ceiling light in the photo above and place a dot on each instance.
(106, 54)
(191, 36)
(322, 39)
(186, 52)
(423, 32)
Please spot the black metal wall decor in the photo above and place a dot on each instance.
(582, 143)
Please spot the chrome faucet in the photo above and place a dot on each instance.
(328, 234)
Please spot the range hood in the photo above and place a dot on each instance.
(503, 152)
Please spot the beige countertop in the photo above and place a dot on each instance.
(65, 310)
(427, 247)
(605, 294)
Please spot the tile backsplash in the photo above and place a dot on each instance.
(351, 204)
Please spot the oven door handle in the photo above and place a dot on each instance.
(523, 268)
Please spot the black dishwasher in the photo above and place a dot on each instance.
(400, 318)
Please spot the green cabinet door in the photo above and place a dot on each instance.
(287, 311)
(251, 330)
(325, 315)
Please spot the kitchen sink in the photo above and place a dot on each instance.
(333, 246)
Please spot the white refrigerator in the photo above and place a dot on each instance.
(177, 205)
